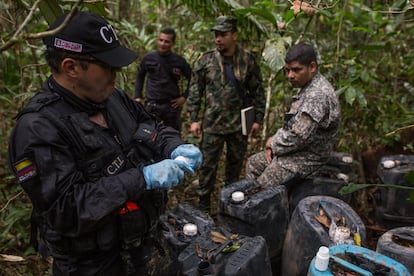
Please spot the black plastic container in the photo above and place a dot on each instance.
(173, 222)
(339, 166)
(205, 257)
(263, 212)
(398, 244)
(393, 209)
(306, 234)
(316, 186)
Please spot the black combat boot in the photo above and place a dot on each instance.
(204, 203)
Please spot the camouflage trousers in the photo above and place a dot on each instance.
(264, 173)
(212, 147)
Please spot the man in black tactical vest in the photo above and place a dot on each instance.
(94, 163)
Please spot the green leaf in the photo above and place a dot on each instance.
(411, 197)
(374, 47)
(352, 187)
(275, 51)
(410, 177)
(96, 7)
(50, 10)
(265, 14)
(350, 95)
(361, 98)
(230, 249)
(341, 90)
(289, 15)
(324, 12)
(399, 5)
(364, 75)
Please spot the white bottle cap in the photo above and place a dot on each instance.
(190, 229)
(182, 159)
(388, 164)
(237, 196)
(322, 258)
(347, 159)
(342, 176)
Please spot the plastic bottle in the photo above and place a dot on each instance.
(322, 258)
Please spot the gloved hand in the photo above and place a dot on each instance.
(192, 153)
(164, 174)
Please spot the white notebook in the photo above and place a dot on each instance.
(247, 119)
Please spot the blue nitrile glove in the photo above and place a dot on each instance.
(164, 174)
(191, 152)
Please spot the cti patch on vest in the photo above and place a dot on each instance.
(25, 170)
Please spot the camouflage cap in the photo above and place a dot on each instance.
(225, 24)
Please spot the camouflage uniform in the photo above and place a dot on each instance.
(306, 139)
(222, 104)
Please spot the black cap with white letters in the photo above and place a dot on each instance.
(89, 33)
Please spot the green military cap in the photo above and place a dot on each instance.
(225, 24)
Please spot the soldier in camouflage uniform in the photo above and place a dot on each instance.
(307, 137)
(212, 89)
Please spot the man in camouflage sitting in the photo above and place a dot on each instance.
(306, 140)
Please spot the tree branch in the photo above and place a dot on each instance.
(10, 200)
(17, 37)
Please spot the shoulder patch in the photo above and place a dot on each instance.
(24, 169)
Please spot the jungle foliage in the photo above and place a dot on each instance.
(365, 50)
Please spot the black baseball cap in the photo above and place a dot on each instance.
(90, 33)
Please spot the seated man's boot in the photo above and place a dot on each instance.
(204, 203)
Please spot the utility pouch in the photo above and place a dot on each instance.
(134, 225)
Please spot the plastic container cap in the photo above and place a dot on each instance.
(342, 176)
(347, 159)
(388, 164)
(190, 229)
(237, 196)
(322, 258)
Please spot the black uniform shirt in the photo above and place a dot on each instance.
(163, 75)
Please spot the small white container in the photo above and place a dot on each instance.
(322, 258)
(190, 229)
(237, 196)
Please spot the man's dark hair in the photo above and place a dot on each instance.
(55, 56)
(169, 31)
(302, 53)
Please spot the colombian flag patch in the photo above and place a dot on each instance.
(25, 170)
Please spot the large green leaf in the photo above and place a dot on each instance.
(96, 7)
(50, 10)
(275, 51)
(353, 187)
